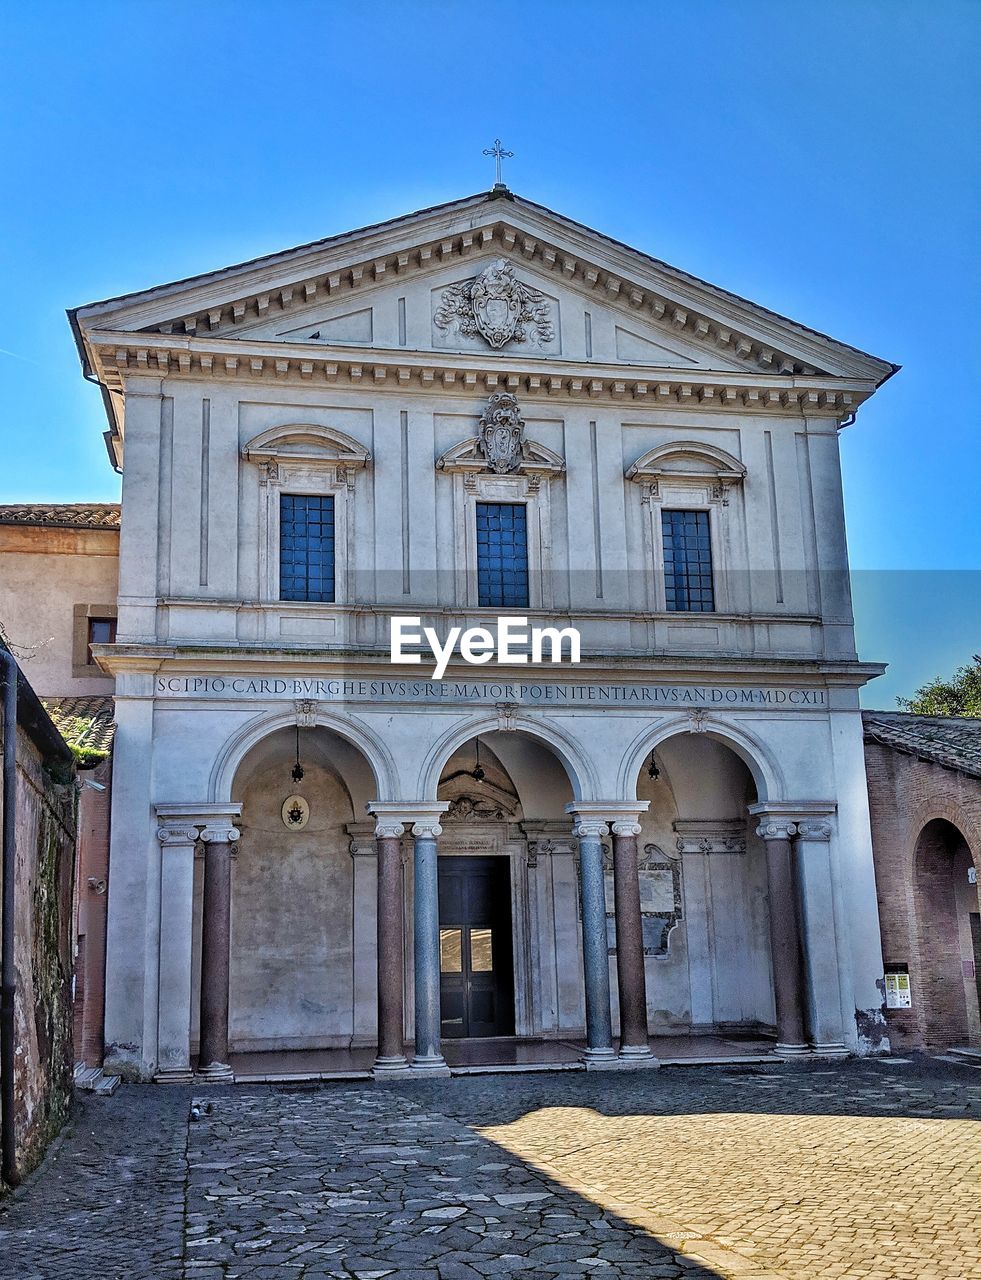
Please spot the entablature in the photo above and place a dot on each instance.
(120, 354)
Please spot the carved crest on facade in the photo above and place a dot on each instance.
(500, 433)
(474, 809)
(497, 306)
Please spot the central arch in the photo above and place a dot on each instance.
(580, 771)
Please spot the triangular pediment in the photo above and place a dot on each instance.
(407, 284)
(432, 309)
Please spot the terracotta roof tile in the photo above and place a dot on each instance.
(62, 515)
(951, 741)
(86, 723)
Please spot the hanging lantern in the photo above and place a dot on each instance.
(296, 773)
(477, 772)
(653, 772)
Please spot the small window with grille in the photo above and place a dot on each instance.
(306, 547)
(687, 561)
(502, 555)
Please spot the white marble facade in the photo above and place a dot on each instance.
(360, 367)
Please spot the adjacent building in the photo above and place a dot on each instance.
(480, 409)
(924, 775)
(59, 567)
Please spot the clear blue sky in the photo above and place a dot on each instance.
(821, 159)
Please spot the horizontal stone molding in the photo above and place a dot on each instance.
(122, 354)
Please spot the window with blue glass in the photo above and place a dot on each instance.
(306, 547)
(502, 555)
(687, 561)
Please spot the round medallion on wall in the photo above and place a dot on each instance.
(296, 813)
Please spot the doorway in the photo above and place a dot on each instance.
(475, 947)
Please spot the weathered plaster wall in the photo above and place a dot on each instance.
(45, 853)
(44, 573)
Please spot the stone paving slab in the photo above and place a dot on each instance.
(768, 1172)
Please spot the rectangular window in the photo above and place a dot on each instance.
(502, 555)
(306, 547)
(687, 561)
(101, 631)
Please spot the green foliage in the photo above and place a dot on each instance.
(958, 696)
(87, 757)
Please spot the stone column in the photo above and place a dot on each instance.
(216, 925)
(177, 841)
(595, 947)
(391, 949)
(813, 855)
(426, 831)
(785, 947)
(631, 976)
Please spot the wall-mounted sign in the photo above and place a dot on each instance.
(296, 813)
(898, 992)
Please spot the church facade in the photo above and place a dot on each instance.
(482, 409)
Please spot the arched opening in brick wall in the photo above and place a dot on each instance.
(949, 936)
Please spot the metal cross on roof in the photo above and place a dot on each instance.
(499, 154)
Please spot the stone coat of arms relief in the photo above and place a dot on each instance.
(500, 433)
(498, 307)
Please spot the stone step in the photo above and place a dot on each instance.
(94, 1080)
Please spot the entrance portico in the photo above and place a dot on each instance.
(663, 882)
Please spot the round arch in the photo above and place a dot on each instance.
(237, 747)
(755, 755)
(580, 771)
(939, 810)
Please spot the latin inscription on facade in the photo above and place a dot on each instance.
(523, 693)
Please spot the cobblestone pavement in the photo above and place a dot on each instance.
(861, 1169)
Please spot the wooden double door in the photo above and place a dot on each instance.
(475, 947)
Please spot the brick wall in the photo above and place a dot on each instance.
(926, 827)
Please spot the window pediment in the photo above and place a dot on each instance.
(687, 460)
(309, 443)
(536, 459)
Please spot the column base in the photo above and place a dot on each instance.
(640, 1055)
(790, 1051)
(430, 1064)
(831, 1050)
(384, 1068)
(599, 1059)
(216, 1073)
(174, 1075)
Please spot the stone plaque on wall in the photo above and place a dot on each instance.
(660, 899)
